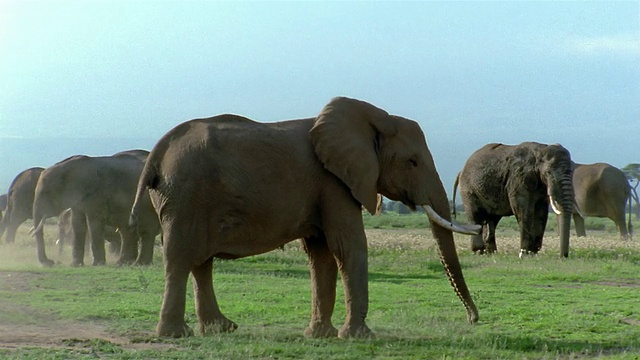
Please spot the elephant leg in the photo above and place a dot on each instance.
(42, 255)
(348, 243)
(172, 322)
(96, 230)
(618, 219)
(145, 257)
(477, 242)
(11, 234)
(210, 318)
(129, 247)
(324, 275)
(578, 222)
(490, 236)
(79, 224)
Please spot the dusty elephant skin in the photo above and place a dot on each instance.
(601, 191)
(523, 180)
(229, 187)
(19, 202)
(99, 191)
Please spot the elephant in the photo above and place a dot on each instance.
(19, 202)
(601, 190)
(3, 204)
(229, 187)
(500, 180)
(99, 191)
(65, 233)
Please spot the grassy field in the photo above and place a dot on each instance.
(540, 307)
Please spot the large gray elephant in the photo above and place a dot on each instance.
(523, 180)
(99, 191)
(228, 187)
(19, 202)
(601, 190)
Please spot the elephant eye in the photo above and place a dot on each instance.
(413, 161)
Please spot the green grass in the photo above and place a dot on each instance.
(540, 307)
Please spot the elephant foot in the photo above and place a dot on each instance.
(77, 263)
(99, 262)
(222, 325)
(47, 263)
(355, 332)
(124, 262)
(320, 330)
(142, 263)
(524, 252)
(173, 330)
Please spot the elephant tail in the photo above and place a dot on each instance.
(148, 180)
(453, 201)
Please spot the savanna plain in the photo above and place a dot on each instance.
(538, 307)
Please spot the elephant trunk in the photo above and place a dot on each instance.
(448, 255)
(562, 204)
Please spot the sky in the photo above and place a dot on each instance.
(98, 77)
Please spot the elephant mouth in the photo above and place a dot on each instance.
(468, 229)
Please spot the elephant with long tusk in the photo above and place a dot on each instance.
(523, 180)
(229, 187)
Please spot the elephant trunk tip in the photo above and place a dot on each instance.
(472, 316)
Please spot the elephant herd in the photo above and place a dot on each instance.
(229, 187)
(87, 194)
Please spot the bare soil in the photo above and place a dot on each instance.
(38, 329)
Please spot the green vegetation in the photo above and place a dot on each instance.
(394, 220)
(540, 307)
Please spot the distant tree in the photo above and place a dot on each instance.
(632, 171)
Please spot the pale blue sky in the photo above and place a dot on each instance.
(469, 72)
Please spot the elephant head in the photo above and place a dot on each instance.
(373, 152)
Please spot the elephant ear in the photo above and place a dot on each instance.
(346, 138)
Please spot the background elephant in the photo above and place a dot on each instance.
(3, 204)
(99, 191)
(601, 190)
(229, 187)
(522, 180)
(19, 202)
(66, 236)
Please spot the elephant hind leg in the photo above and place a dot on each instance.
(210, 318)
(324, 273)
(172, 322)
(490, 236)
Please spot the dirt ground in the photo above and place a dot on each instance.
(43, 330)
(39, 329)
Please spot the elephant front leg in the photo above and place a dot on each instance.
(210, 318)
(79, 226)
(42, 255)
(351, 256)
(97, 243)
(324, 274)
(145, 257)
(128, 247)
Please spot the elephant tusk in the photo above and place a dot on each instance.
(470, 229)
(577, 209)
(554, 206)
(34, 230)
